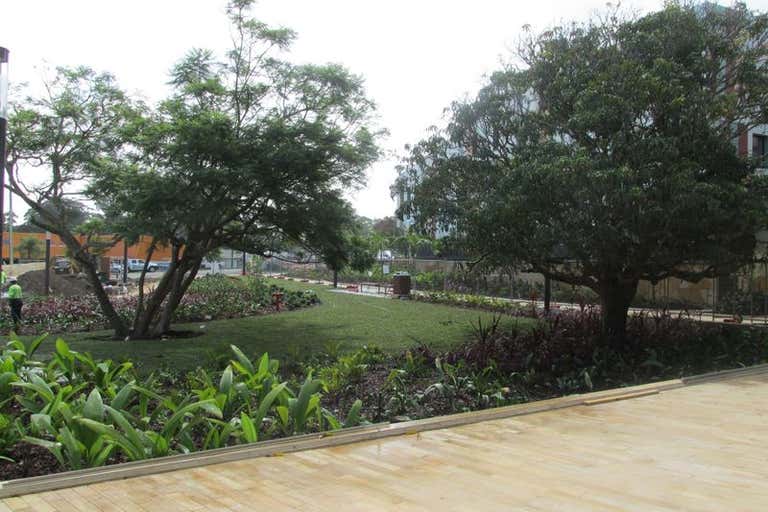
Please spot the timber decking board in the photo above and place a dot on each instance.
(701, 447)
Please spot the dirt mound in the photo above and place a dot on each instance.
(65, 285)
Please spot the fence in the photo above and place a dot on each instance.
(744, 292)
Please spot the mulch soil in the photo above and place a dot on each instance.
(31, 460)
(64, 285)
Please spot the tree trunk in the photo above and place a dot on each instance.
(140, 317)
(115, 321)
(615, 297)
(180, 286)
(142, 277)
(335, 278)
(155, 318)
(144, 318)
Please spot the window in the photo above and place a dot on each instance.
(760, 146)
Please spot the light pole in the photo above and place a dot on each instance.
(3, 132)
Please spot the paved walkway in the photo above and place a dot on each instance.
(702, 447)
(694, 314)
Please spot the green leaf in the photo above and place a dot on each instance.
(333, 422)
(148, 393)
(211, 408)
(87, 360)
(264, 365)
(62, 349)
(134, 437)
(35, 344)
(174, 421)
(305, 403)
(41, 424)
(38, 386)
(73, 449)
(267, 402)
(353, 417)
(160, 445)
(133, 448)
(6, 378)
(225, 384)
(123, 396)
(245, 363)
(101, 457)
(249, 429)
(94, 406)
(283, 414)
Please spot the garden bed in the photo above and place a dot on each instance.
(45, 405)
(208, 298)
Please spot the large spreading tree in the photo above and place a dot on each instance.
(248, 152)
(609, 157)
(58, 141)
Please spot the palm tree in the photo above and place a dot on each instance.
(29, 245)
(410, 243)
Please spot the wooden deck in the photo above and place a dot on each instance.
(701, 447)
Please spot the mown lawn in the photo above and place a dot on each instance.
(351, 320)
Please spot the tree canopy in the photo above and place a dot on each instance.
(342, 243)
(57, 143)
(248, 151)
(609, 157)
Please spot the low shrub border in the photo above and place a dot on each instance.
(472, 301)
(213, 297)
(75, 412)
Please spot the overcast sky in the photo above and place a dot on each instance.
(416, 56)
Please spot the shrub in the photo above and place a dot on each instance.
(471, 301)
(88, 412)
(213, 297)
(566, 352)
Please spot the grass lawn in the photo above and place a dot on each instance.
(351, 320)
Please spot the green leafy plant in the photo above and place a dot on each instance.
(74, 446)
(10, 434)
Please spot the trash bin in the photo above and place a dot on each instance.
(401, 285)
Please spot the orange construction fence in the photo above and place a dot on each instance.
(136, 251)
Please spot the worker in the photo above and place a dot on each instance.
(14, 300)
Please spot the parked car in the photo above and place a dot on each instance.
(161, 266)
(135, 265)
(116, 267)
(62, 266)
